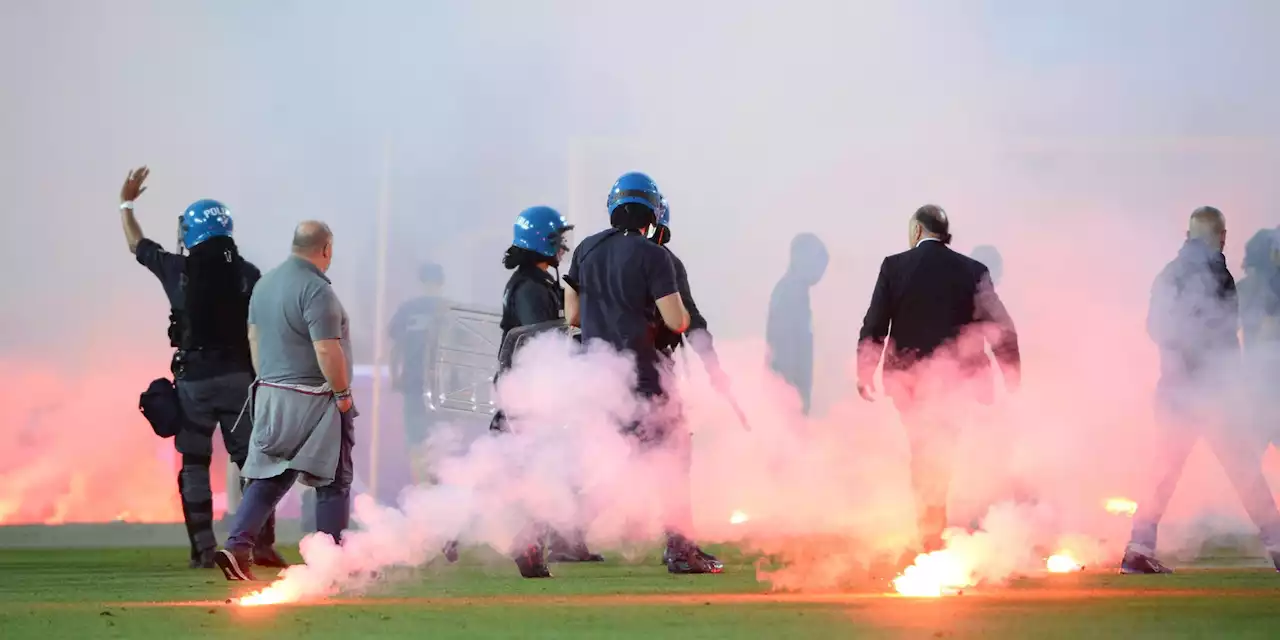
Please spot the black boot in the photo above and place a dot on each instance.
(531, 563)
(197, 510)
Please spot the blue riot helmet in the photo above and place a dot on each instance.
(205, 219)
(542, 230)
(634, 189)
(660, 233)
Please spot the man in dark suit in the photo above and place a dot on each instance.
(931, 314)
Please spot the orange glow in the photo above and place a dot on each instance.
(280, 592)
(76, 449)
(1062, 562)
(1121, 506)
(934, 575)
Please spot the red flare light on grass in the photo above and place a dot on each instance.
(1062, 562)
(934, 575)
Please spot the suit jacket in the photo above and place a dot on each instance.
(932, 298)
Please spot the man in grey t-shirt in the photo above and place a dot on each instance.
(300, 341)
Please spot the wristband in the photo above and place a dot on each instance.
(340, 395)
(127, 204)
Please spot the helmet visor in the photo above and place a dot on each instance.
(563, 241)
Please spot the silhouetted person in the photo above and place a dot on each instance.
(789, 328)
(990, 258)
(1259, 302)
(1193, 319)
(415, 332)
(931, 314)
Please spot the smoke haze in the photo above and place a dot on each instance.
(1074, 137)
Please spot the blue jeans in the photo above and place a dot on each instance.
(333, 502)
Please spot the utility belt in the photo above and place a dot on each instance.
(197, 364)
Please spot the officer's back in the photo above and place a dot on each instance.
(620, 275)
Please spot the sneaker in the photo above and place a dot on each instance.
(234, 564)
(667, 557)
(450, 551)
(269, 557)
(531, 564)
(1138, 563)
(689, 559)
(203, 559)
(692, 563)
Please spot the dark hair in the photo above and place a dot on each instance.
(217, 306)
(1257, 251)
(517, 257)
(934, 220)
(431, 273)
(632, 216)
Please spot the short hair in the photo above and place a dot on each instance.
(632, 216)
(1206, 222)
(431, 273)
(934, 220)
(311, 236)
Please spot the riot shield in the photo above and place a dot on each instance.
(519, 335)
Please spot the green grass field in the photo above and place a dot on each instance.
(149, 593)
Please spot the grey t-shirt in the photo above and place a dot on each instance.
(292, 306)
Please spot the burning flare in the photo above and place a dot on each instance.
(934, 575)
(280, 592)
(738, 517)
(1122, 506)
(1062, 562)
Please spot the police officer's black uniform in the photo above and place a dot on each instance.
(212, 387)
(619, 276)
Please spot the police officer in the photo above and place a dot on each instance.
(699, 336)
(533, 302)
(621, 288)
(208, 293)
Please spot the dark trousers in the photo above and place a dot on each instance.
(419, 417)
(333, 501)
(930, 407)
(211, 404)
(662, 428)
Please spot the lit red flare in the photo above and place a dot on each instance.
(934, 575)
(1062, 562)
(1122, 506)
(280, 592)
(738, 517)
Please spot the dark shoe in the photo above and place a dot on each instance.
(269, 557)
(577, 553)
(203, 560)
(1137, 563)
(234, 564)
(531, 564)
(451, 551)
(692, 563)
(684, 557)
(667, 557)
